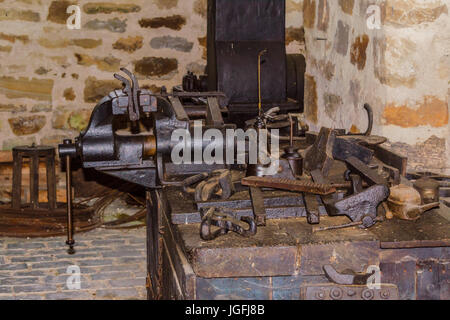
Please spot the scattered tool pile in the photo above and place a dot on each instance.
(340, 176)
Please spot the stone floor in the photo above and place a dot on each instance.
(111, 264)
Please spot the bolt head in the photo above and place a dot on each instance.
(385, 294)
(336, 293)
(367, 294)
(320, 295)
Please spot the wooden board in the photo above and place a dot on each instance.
(430, 230)
(296, 249)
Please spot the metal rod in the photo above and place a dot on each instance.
(263, 52)
(348, 225)
(342, 226)
(70, 241)
(291, 133)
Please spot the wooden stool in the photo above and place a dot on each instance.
(35, 153)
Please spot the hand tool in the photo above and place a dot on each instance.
(220, 181)
(290, 185)
(342, 226)
(219, 218)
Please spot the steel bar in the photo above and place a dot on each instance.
(70, 242)
(290, 185)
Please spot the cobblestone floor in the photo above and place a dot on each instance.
(112, 264)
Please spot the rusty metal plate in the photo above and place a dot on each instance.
(348, 292)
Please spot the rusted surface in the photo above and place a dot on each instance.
(291, 185)
(401, 274)
(348, 292)
(351, 247)
(286, 250)
(278, 205)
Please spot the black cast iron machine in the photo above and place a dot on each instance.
(139, 150)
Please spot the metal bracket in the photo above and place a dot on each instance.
(348, 292)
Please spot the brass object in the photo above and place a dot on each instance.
(428, 189)
(405, 202)
(149, 147)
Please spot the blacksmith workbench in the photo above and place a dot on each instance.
(285, 259)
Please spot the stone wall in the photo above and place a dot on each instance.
(51, 77)
(400, 69)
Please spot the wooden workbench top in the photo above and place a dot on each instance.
(289, 246)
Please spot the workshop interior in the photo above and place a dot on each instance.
(224, 150)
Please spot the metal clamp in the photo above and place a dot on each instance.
(218, 218)
(131, 89)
